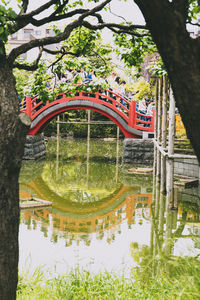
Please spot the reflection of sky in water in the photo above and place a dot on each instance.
(98, 256)
(187, 246)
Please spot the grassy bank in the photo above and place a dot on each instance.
(82, 285)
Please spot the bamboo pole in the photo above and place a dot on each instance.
(161, 217)
(155, 147)
(159, 125)
(164, 135)
(158, 164)
(153, 239)
(58, 145)
(170, 161)
(88, 145)
(168, 235)
(117, 156)
(163, 159)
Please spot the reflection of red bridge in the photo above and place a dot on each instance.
(119, 110)
(121, 206)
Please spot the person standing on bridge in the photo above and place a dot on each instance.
(83, 75)
(111, 80)
(122, 91)
(142, 107)
(69, 77)
(91, 76)
(150, 108)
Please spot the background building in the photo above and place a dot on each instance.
(27, 34)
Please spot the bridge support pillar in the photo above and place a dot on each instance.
(34, 147)
(138, 152)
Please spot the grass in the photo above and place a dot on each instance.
(81, 285)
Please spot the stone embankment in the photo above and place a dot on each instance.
(138, 151)
(34, 147)
(141, 152)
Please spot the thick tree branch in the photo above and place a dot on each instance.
(181, 6)
(194, 24)
(31, 67)
(94, 10)
(25, 4)
(61, 51)
(40, 9)
(99, 17)
(112, 26)
(53, 17)
(22, 22)
(68, 29)
(133, 33)
(25, 19)
(55, 39)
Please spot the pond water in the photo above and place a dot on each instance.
(102, 218)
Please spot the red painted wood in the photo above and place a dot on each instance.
(128, 113)
(28, 106)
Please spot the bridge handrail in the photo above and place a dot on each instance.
(99, 96)
(118, 95)
(99, 93)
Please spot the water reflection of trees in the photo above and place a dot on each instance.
(98, 201)
(105, 221)
(72, 176)
(167, 228)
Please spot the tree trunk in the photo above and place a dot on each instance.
(181, 56)
(13, 130)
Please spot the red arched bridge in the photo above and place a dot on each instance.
(122, 112)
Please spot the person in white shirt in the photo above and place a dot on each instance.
(142, 106)
(83, 74)
(149, 109)
(69, 77)
(111, 80)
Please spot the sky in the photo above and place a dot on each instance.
(128, 9)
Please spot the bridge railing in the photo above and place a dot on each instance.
(125, 108)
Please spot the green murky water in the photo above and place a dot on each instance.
(102, 218)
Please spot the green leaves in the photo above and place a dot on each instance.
(41, 77)
(158, 68)
(39, 83)
(89, 50)
(133, 49)
(72, 4)
(11, 13)
(7, 17)
(2, 9)
(82, 40)
(194, 10)
(23, 79)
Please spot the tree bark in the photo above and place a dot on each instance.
(181, 56)
(13, 129)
